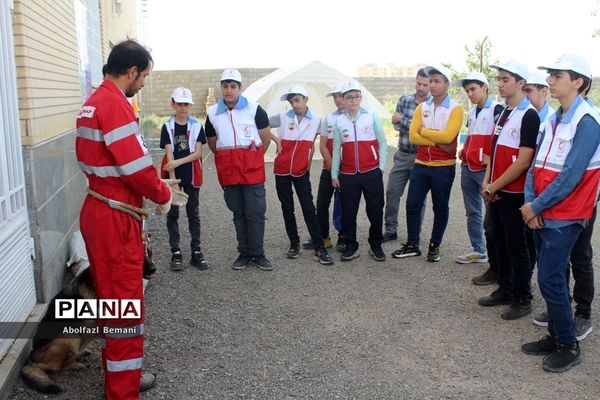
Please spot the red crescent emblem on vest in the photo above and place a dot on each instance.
(426, 114)
(367, 129)
(513, 133)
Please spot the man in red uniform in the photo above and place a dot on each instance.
(110, 152)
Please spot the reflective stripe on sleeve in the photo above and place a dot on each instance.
(124, 365)
(121, 133)
(90, 134)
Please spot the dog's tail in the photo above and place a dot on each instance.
(38, 379)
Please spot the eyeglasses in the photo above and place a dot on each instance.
(353, 98)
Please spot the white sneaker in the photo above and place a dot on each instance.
(472, 257)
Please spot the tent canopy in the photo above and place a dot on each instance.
(317, 78)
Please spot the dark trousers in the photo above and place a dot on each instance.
(249, 206)
(283, 184)
(512, 250)
(324, 196)
(192, 210)
(488, 230)
(583, 271)
(439, 181)
(370, 185)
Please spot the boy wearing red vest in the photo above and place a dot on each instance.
(434, 128)
(561, 192)
(110, 152)
(503, 186)
(475, 155)
(237, 132)
(359, 154)
(182, 138)
(297, 131)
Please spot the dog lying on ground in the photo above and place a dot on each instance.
(61, 353)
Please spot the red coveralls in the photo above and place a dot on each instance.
(110, 152)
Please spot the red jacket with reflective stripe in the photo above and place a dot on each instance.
(110, 150)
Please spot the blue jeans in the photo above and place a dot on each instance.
(554, 247)
(470, 183)
(424, 178)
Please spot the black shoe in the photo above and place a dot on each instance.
(176, 261)
(349, 254)
(147, 381)
(542, 347)
(323, 256)
(497, 298)
(262, 263)
(198, 260)
(241, 262)
(293, 251)
(389, 237)
(377, 254)
(489, 277)
(407, 250)
(308, 245)
(433, 253)
(562, 358)
(518, 309)
(340, 246)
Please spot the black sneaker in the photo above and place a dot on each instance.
(349, 254)
(433, 253)
(518, 309)
(389, 237)
(340, 246)
(198, 260)
(262, 263)
(323, 256)
(377, 254)
(542, 347)
(176, 261)
(583, 327)
(563, 358)
(489, 277)
(308, 245)
(293, 251)
(497, 298)
(542, 319)
(407, 250)
(241, 262)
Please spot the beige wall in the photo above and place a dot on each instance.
(47, 68)
(116, 26)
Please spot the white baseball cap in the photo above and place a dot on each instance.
(439, 68)
(570, 62)
(182, 95)
(231, 74)
(296, 89)
(349, 86)
(337, 88)
(515, 67)
(538, 78)
(472, 76)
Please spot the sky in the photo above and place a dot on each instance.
(206, 34)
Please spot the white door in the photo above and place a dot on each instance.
(17, 288)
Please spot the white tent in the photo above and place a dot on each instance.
(317, 78)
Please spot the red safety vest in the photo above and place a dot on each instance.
(360, 149)
(550, 160)
(479, 136)
(297, 141)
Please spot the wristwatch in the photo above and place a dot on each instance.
(488, 191)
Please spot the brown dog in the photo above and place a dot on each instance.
(61, 352)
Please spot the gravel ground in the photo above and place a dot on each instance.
(402, 329)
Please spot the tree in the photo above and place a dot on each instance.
(479, 57)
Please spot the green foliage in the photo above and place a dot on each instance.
(151, 124)
(479, 57)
